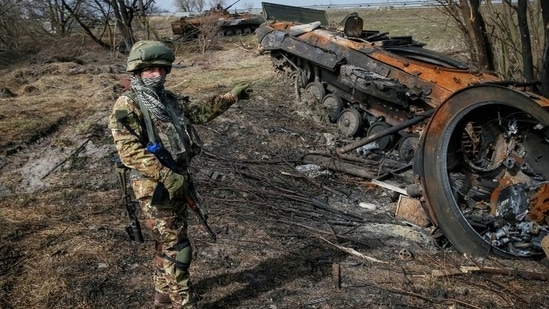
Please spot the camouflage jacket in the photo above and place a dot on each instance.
(130, 142)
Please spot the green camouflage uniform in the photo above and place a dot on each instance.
(167, 221)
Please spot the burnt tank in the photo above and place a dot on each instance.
(218, 20)
(475, 148)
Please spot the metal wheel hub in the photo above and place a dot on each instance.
(349, 122)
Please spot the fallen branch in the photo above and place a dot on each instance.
(315, 182)
(338, 166)
(77, 151)
(529, 275)
(429, 299)
(490, 270)
(353, 252)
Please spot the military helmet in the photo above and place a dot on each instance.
(146, 54)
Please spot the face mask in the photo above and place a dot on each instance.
(155, 83)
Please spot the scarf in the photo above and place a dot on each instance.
(151, 92)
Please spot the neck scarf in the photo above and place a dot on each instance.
(151, 92)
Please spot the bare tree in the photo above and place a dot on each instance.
(183, 5)
(59, 20)
(208, 30)
(527, 61)
(123, 12)
(9, 27)
(248, 6)
(199, 5)
(190, 5)
(123, 16)
(506, 37)
(8, 6)
(476, 29)
(18, 22)
(545, 62)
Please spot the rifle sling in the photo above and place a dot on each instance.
(150, 128)
(175, 122)
(148, 121)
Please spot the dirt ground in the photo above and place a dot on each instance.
(289, 235)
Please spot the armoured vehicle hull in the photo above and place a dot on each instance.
(220, 21)
(477, 147)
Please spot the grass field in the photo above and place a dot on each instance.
(427, 25)
(63, 242)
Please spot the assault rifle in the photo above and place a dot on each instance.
(191, 198)
(134, 228)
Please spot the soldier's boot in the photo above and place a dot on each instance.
(185, 300)
(185, 306)
(161, 300)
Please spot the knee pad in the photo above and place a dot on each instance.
(184, 255)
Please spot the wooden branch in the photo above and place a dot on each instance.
(529, 275)
(352, 251)
(78, 150)
(338, 166)
(336, 275)
(429, 299)
(491, 270)
(315, 182)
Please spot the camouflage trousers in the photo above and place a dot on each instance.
(168, 225)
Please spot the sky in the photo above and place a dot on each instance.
(168, 4)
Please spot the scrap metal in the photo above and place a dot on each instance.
(478, 146)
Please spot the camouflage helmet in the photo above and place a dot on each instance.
(146, 54)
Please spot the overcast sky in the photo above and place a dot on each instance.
(168, 4)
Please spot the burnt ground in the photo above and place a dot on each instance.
(288, 236)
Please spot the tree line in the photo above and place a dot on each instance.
(508, 37)
(104, 21)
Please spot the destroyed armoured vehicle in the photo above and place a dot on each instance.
(476, 148)
(218, 19)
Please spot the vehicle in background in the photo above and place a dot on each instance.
(218, 20)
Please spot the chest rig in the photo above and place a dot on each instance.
(178, 137)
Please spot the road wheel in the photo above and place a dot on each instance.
(333, 105)
(484, 165)
(376, 128)
(349, 122)
(317, 90)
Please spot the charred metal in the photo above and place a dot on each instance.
(477, 147)
(217, 19)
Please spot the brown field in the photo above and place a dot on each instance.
(284, 235)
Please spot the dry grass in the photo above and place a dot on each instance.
(62, 238)
(426, 25)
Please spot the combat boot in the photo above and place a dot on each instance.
(161, 300)
(177, 306)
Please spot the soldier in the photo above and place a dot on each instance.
(148, 118)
